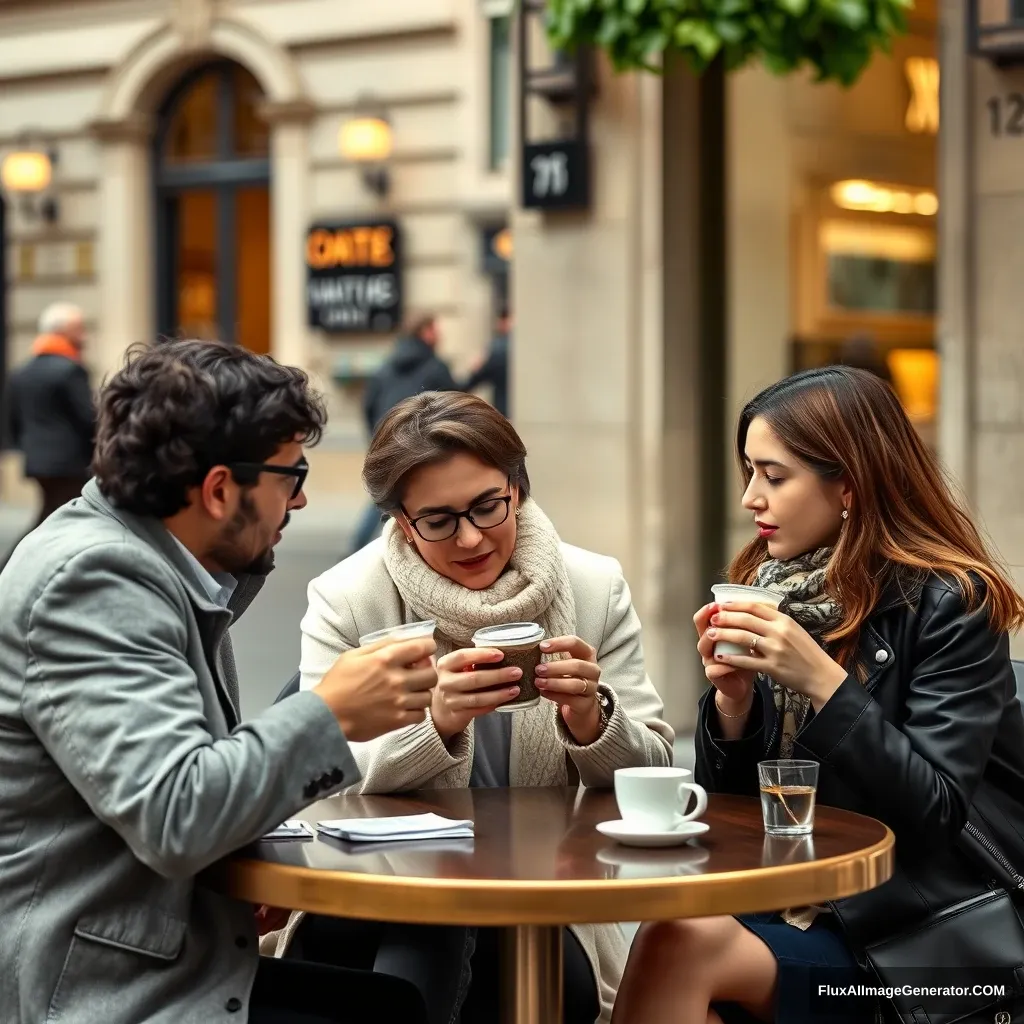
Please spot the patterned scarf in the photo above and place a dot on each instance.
(801, 582)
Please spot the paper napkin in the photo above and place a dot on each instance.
(291, 829)
(396, 827)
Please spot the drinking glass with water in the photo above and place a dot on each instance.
(788, 789)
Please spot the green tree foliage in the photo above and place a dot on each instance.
(835, 38)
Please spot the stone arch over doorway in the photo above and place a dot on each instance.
(140, 83)
(124, 128)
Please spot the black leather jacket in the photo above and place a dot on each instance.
(932, 737)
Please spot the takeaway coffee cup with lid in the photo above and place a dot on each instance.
(520, 643)
(726, 592)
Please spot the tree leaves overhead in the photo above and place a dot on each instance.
(835, 38)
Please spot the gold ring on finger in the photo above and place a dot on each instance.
(753, 644)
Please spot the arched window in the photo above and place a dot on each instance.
(212, 172)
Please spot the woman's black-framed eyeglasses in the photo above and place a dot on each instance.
(484, 515)
(253, 470)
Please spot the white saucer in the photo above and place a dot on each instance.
(634, 835)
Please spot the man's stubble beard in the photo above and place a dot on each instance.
(226, 551)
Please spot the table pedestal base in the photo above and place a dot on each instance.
(532, 974)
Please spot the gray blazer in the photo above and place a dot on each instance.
(125, 771)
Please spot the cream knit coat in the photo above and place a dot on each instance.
(358, 596)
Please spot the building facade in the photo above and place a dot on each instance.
(195, 149)
(735, 230)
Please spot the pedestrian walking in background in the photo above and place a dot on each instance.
(50, 413)
(412, 367)
(493, 369)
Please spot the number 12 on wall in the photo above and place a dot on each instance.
(1006, 114)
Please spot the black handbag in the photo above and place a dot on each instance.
(964, 963)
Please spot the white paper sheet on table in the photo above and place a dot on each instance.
(291, 829)
(397, 827)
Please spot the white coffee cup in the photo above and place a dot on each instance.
(726, 592)
(656, 798)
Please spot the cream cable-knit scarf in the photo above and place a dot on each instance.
(534, 587)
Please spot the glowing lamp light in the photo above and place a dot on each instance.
(26, 172)
(365, 140)
(502, 244)
(872, 197)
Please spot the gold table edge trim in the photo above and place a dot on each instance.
(482, 901)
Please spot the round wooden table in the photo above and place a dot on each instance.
(537, 863)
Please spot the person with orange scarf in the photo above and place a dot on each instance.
(50, 411)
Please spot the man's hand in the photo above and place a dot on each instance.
(384, 686)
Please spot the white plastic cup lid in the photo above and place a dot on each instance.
(406, 631)
(509, 634)
(725, 592)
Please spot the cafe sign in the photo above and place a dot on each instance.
(354, 277)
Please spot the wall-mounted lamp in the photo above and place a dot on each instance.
(872, 197)
(26, 174)
(367, 140)
(503, 244)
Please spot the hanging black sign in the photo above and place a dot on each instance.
(556, 175)
(354, 277)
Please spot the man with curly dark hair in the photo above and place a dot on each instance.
(126, 766)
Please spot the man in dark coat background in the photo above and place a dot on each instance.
(412, 367)
(493, 369)
(50, 412)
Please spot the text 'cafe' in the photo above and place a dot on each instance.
(354, 277)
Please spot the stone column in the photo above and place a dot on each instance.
(981, 255)
(289, 216)
(955, 229)
(603, 379)
(759, 248)
(125, 241)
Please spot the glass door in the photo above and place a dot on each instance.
(213, 210)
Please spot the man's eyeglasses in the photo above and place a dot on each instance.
(484, 515)
(253, 469)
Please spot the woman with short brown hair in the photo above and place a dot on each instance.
(468, 547)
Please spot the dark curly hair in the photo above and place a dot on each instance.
(177, 409)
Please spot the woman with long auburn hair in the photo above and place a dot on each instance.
(887, 663)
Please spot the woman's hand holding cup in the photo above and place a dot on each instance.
(734, 685)
(467, 689)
